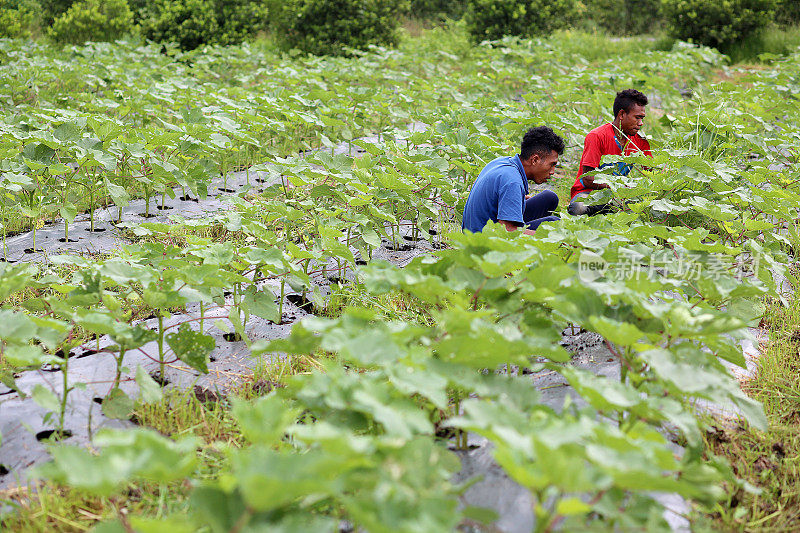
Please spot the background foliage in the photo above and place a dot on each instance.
(193, 23)
(493, 19)
(716, 23)
(19, 18)
(92, 20)
(332, 26)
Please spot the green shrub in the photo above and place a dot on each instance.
(193, 23)
(623, 17)
(494, 19)
(19, 18)
(717, 23)
(92, 20)
(331, 26)
(787, 12)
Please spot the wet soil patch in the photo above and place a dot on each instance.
(53, 435)
(205, 395)
(265, 386)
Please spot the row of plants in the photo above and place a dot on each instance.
(358, 440)
(75, 138)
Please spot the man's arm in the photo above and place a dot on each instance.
(510, 226)
(588, 181)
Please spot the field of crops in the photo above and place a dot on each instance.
(337, 186)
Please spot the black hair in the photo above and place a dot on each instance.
(540, 140)
(626, 99)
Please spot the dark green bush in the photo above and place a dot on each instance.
(435, 9)
(92, 20)
(19, 18)
(52, 9)
(717, 23)
(623, 17)
(331, 26)
(193, 23)
(494, 19)
(787, 12)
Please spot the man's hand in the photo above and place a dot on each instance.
(588, 181)
(510, 226)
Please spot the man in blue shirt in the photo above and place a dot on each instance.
(500, 193)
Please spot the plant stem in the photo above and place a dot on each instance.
(161, 346)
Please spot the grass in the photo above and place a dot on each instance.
(773, 40)
(770, 461)
(48, 507)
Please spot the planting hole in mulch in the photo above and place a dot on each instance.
(411, 238)
(87, 353)
(64, 239)
(300, 301)
(150, 215)
(224, 189)
(6, 260)
(397, 247)
(232, 337)
(164, 207)
(360, 262)
(95, 230)
(4, 470)
(163, 381)
(33, 250)
(188, 199)
(98, 400)
(53, 435)
(470, 447)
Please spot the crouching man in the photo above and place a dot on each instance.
(500, 193)
(619, 137)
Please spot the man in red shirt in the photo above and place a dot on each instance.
(613, 138)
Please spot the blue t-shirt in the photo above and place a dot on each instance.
(497, 194)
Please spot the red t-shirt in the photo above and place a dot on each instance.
(602, 141)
